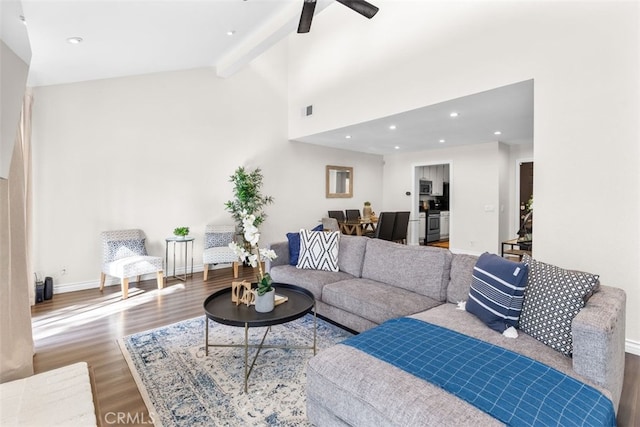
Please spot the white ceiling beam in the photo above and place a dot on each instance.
(263, 38)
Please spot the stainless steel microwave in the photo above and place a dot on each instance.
(425, 187)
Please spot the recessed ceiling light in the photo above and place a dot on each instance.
(497, 132)
(397, 147)
(231, 32)
(454, 114)
(348, 136)
(442, 141)
(392, 127)
(74, 40)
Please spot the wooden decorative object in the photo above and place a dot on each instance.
(241, 293)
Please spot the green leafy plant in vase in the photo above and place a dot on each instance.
(181, 232)
(264, 284)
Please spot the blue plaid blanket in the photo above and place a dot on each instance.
(512, 388)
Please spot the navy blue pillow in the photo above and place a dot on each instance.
(497, 291)
(294, 245)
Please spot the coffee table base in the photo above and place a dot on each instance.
(246, 346)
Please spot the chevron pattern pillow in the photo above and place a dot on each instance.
(319, 250)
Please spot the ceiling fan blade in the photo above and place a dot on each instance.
(362, 7)
(307, 15)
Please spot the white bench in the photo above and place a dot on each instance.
(60, 397)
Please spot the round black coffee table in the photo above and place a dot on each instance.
(219, 308)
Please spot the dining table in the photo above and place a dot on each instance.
(358, 226)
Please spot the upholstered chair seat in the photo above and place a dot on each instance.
(216, 247)
(125, 256)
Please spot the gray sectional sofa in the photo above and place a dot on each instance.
(380, 280)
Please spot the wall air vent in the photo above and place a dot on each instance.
(308, 110)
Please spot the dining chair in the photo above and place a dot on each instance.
(330, 224)
(400, 227)
(353, 214)
(216, 248)
(384, 227)
(124, 255)
(338, 215)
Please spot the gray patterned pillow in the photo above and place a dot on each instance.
(217, 240)
(319, 250)
(125, 248)
(553, 297)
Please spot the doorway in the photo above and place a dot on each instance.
(525, 200)
(432, 204)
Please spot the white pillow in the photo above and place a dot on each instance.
(319, 250)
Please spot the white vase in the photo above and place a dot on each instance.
(366, 212)
(266, 302)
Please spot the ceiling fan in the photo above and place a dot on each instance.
(362, 7)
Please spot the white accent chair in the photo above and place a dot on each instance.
(216, 247)
(125, 256)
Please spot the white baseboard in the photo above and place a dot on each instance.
(632, 347)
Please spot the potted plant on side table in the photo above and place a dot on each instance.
(181, 232)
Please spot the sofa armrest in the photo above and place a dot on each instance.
(599, 340)
(282, 251)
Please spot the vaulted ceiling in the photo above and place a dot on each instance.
(131, 37)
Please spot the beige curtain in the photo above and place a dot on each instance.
(16, 278)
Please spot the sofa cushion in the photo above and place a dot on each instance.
(361, 390)
(497, 291)
(312, 280)
(449, 316)
(553, 297)
(294, 244)
(319, 250)
(351, 254)
(373, 300)
(461, 276)
(420, 269)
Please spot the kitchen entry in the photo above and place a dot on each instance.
(433, 184)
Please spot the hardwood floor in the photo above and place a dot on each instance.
(440, 244)
(85, 326)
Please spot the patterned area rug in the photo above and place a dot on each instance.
(183, 387)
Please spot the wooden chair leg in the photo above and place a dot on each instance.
(102, 279)
(124, 283)
(235, 269)
(160, 279)
(205, 272)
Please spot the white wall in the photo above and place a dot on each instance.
(156, 152)
(504, 196)
(583, 57)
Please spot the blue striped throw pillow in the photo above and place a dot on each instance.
(497, 291)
